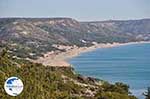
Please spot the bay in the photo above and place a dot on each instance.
(129, 64)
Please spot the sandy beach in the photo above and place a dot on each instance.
(56, 58)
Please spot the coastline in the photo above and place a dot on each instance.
(60, 58)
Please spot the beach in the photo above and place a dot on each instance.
(56, 58)
(129, 63)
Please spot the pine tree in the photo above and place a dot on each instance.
(147, 94)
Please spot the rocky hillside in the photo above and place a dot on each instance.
(42, 82)
(31, 37)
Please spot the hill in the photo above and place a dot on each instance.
(42, 82)
(32, 37)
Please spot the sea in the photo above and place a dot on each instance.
(129, 64)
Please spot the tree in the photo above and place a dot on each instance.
(3, 53)
(147, 94)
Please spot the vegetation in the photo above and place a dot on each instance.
(42, 82)
(147, 94)
(31, 37)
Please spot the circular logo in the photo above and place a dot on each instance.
(13, 86)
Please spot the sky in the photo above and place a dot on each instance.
(83, 10)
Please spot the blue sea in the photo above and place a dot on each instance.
(129, 64)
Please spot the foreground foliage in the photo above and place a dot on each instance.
(147, 94)
(42, 82)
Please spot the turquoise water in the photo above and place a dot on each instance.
(129, 64)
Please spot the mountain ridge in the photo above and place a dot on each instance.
(37, 35)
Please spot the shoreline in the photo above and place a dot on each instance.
(60, 58)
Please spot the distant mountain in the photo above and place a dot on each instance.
(37, 35)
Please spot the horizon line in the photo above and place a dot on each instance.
(47, 17)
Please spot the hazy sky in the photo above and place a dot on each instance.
(78, 9)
